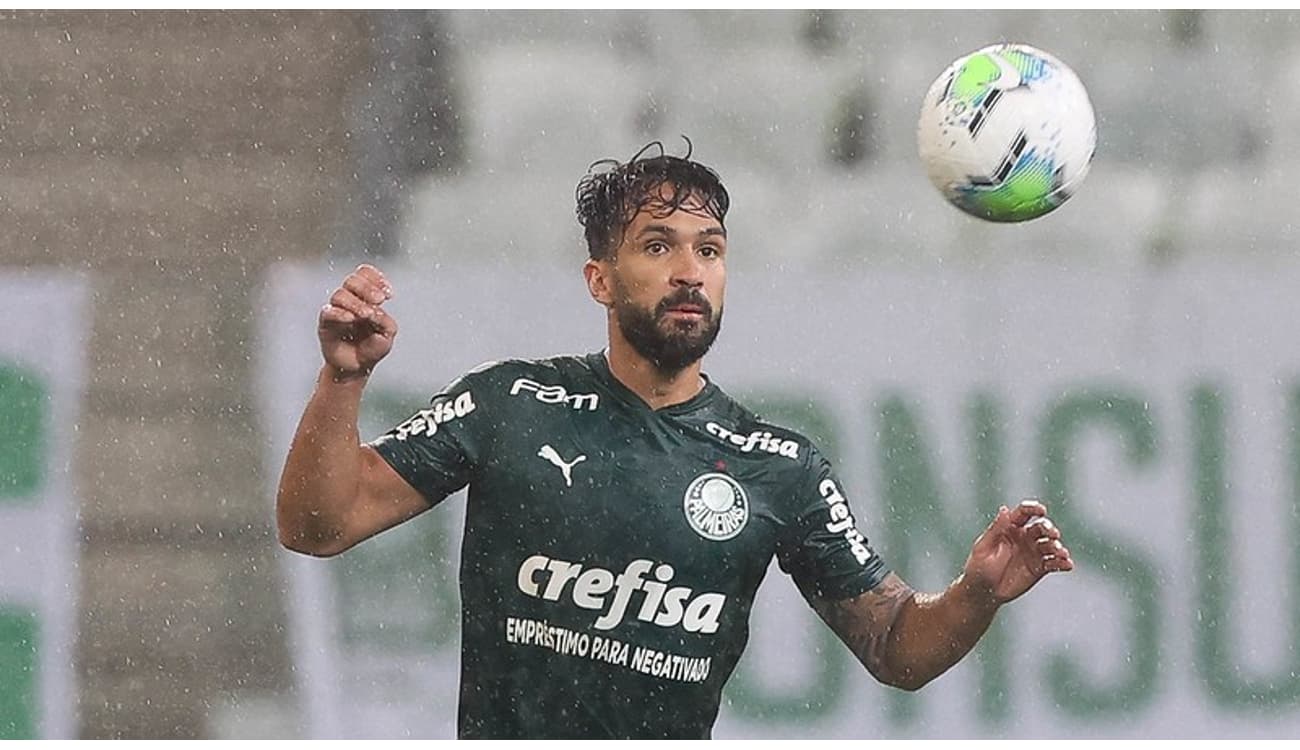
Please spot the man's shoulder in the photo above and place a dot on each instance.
(544, 377)
(569, 366)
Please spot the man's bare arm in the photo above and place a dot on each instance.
(906, 639)
(335, 492)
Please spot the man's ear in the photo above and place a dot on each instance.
(598, 281)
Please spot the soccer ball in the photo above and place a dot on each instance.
(1007, 133)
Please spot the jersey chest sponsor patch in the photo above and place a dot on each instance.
(595, 588)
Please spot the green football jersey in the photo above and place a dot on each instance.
(611, 551)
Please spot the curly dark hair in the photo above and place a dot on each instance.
(612, 193)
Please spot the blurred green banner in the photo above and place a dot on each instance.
(41, 379)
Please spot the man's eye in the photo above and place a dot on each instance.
(656, 248)
(709, 251)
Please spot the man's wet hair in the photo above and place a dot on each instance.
(612, 193)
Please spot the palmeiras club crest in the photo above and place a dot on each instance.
(716, 506)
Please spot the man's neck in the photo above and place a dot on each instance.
(655, 387)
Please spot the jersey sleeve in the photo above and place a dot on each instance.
(437, 449)
(821, 547)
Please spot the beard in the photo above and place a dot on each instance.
(669, 345)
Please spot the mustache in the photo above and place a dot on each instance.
(684, 296)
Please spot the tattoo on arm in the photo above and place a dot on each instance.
(864, 622)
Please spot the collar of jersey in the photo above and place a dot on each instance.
(600, 365)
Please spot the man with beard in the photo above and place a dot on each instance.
(622, 509)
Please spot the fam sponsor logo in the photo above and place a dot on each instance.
(589, 588)
(759, 440)
(444, 410)
(716, 506)
(842, 521)
(555, 394)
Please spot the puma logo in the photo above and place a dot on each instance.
(566, 467)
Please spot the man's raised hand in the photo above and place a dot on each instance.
(354, 330)
(1018, 548)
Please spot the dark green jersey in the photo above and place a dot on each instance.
(611, 551)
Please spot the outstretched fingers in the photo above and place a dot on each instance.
(1048, 549)
(1027, 511)
(1039, 538)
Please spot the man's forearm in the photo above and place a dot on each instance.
(932, 632)
(322, 473)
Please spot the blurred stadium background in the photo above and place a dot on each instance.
(160, 168)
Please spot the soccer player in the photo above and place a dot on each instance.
(622, 508)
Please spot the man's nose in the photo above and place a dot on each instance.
(688, 270)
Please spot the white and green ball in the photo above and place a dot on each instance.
(1007, 133)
